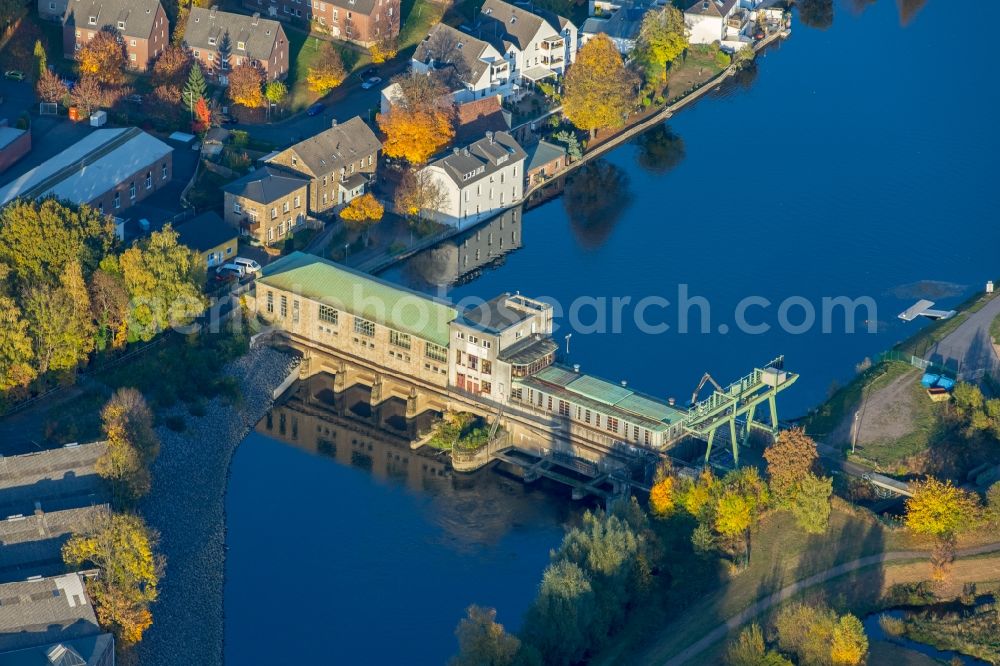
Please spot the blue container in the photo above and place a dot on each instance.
(946, 383)
(930, 380)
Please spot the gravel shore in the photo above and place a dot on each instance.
(187, 507)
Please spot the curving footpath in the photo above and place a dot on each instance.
(761, 605)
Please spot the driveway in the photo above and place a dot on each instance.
(968, 350)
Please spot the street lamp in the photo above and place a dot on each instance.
(347, 247)
(568, 336)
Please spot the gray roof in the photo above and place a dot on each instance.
(265, 185)
(711, 7)
(334, 148)
(360, 6)
(525, 352)
(493, 316)
(624, 23)
(138, 16)
(94, 650)
(44, 611)
(259, 35)
(32, 545)
(541, 154)
(507, 24)
(204, 232)
(470, 49)
(56, 479)
(9, 134)
(90, 167)
(491, 153)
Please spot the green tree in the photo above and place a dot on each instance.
(275, 92)
(939, 509)
(805, 631)
(848, 644)
(61, 326)
(811, 503)
(571, 142)
(559, 621)
(41, 60)
(162, 279)
(662, 39)
(993, 504)
(16, 350)
(482, 641)
(599, 91)
(38, 240)
(749, 649)
(968, 398)
(195, 87)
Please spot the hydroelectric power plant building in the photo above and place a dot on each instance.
(497, 359)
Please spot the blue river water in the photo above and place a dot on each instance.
(857, 161)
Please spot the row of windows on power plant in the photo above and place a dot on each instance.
(362, 326)
(611, 423)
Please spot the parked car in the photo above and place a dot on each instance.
(249, 265)
(368, 73)
(14, 75)
(135, 98)
(223, 274)
(315, 109)
(371, 83)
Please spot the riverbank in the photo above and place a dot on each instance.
(187, 507)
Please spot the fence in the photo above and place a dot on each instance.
(916, 362)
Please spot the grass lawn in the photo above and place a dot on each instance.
(303, 51)
(781, 553)
(418, 17)
(699, 65)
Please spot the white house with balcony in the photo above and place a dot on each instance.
(727, 22)
(477, 181)
(485, 71)
(537, 44)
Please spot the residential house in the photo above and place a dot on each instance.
(485, 71)
(724, 21)
(14, 144)
(338, 163)
(109, 169)
(478, 180)
(536, 44)
(209, 236)
(378, 323)
(266, 204)
(220, 41)
(363, 22)
(51, 618)
(545, 160)
(141, 24)
(620, 20)
(497, 341)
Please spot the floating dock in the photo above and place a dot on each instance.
(923, 308)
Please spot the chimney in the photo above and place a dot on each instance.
(624, 383)
(576, 368)
(211, 11)
(454, 151)
(671, 401)
(489, 135)
(333, 123)
(255, 19)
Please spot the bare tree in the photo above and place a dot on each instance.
(444, 47)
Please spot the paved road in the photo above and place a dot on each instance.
(741, 618)
(343, 103)
(968, 349)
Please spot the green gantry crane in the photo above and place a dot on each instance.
(738, 401)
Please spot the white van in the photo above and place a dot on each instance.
(249, 265)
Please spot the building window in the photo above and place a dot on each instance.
(486, 387)
(645, 436)
(132, 42)
(295, 312)
(237, 208)
(517, 394)
(398, 339)
(364, 327)
(586, 416)
(131, 190)
(298, 201)
(163, 172)
(612, 424)
(284, 306)
(118, 200)
(284, 207)
(149, 180)
(550, 403)
(487, 367)
(328, 314)
(435, 352)
(563, 408)
(274, 212)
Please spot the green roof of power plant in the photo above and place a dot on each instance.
(360, 294)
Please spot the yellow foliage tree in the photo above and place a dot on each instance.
(599, 91)
(939, 509)
(848, 644)
(362, 211)
(246, 86)
(733, 514)
(103, 57)
(327, 73)
(383, 50)
(122, 547)
(415, 135)
(661, 497)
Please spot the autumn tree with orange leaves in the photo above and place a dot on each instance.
(202, 116)
(103, 58)
(246, 86)
(362, 212)
(599, 92)
(419, 124)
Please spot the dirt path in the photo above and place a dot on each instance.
(920, 571)
(888, 412)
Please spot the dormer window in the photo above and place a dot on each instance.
(211, 41)
(121, 25)
(242, 46)
(93, 20)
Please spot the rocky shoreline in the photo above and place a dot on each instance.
(187, 507)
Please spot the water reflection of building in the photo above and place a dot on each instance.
(470, 508)
(463, 257)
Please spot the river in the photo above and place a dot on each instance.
(856, 161)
